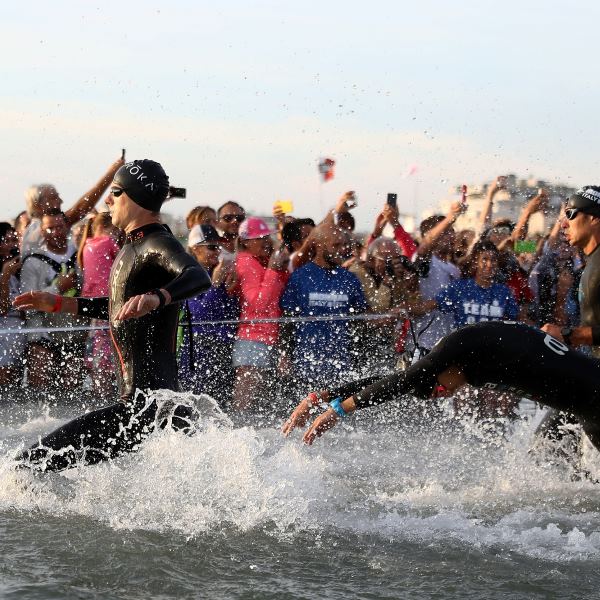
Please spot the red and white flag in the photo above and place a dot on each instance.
(326, 166)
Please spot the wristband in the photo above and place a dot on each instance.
(57, 304)
(161, 297)
(336, 405)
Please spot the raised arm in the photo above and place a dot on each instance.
(486, 215)
(428, 243)
(538, 203)
(83, 206)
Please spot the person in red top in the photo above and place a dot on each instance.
(262, 276)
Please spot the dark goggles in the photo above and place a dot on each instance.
(571, 213)
(116, 192)
(232, 218)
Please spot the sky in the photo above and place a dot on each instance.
(239, 100)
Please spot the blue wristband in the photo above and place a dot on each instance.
(336, 404)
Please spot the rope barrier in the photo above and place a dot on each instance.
(309, 319)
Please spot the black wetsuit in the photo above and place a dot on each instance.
(589, 309)
(589, 295)
(145, 350)
(501, 356)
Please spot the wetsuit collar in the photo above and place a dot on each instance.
(141, 232)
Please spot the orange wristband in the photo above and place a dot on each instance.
(57, 304)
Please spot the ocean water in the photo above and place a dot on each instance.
(398, 504)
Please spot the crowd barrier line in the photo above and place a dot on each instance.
(309, 319)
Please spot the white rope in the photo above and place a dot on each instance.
(362, 317)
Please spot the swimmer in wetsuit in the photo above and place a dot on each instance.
(581, 226)
(150, 275)
(495, 355)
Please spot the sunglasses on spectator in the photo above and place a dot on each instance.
(116, 192)
(232, 218)
(213, 247)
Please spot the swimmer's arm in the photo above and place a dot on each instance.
(189, 277)
(46, 302)
(96, 308)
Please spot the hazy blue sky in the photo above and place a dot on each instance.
(239, 99)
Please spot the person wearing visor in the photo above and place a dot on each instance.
(581, 227)
(205, 349)
(262, 275)
(150, 276)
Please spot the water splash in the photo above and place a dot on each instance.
(446, 484)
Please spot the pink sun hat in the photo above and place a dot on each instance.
(253, 228)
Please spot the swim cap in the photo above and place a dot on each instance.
(145, 182)
(587, 200)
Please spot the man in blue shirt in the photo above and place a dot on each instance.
(321, 350)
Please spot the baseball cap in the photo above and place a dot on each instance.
(253, 228)
(202, 234)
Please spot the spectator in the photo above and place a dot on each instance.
(293, 235)
(262, 276)
(98, 249)
(12, 346)
(205, 355)
(476, 299)
(54, 358)
(201, 215)
(22, 220)
(437, 242)
(229, 218)
(44, 198)
(386, 283)
(321, 350)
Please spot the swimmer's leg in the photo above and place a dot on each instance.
(96, 436)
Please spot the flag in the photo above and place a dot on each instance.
(326, 168)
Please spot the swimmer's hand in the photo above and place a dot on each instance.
(321, 424)
(302, 412)
(45, 302)
(141, 305)
(42, 301)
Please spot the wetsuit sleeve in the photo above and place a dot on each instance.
(416, 380)
(189, 277)
(352, 387)
(95, 308)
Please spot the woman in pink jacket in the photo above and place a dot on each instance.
(97, 251)
(262, 276)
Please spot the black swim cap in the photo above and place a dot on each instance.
(145, 182)
(587, 200)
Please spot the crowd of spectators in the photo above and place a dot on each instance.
(400, 292)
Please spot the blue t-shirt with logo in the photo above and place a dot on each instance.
(322, 348)
(470, 303)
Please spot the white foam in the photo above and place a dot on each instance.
(436, 486)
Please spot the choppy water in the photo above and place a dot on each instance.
(377, 509)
